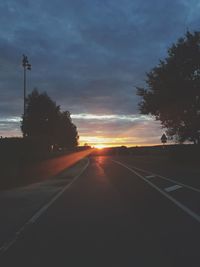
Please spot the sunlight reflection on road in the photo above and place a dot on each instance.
(52, 167)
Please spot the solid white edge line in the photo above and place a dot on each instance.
(36, 216)
(45, 207)
(177, 203)
(168, 179)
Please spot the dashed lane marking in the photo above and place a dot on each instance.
(168, 179)
(173, 200)
(150, 176)
(173, 188)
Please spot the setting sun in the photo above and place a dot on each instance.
(99, 146)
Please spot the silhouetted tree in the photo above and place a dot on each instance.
(173, 90)
(67, 135)
(44, 120)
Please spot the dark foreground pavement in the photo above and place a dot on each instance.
(109, 217)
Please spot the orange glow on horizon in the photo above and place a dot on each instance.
(103, 141)
(118, 144)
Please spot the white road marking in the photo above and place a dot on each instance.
(183, 185)
(173, 188)
(150, 176)
(36, 216)
(170, 180)
(176, 202)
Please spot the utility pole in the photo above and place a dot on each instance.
(26, 66)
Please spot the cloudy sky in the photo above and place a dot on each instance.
(89, 55)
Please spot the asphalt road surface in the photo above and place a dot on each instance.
(114, 215)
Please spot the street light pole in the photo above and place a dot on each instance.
(26, 66)
(24, 90)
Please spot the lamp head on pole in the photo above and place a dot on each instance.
(25, 62)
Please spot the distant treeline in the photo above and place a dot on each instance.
(15, 153)
(178, 152)
(33, 149)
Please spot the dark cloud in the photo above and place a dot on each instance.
(88, 55)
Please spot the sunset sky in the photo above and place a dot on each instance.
(89, 56)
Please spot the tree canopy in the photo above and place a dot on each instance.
(44, 119)
(172, 93)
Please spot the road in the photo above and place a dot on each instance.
(113, 215)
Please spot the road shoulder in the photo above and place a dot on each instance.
(19, 206)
